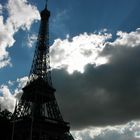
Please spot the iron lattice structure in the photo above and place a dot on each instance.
(41, 61)
(37, 115)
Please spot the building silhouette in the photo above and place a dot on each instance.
(37, 115)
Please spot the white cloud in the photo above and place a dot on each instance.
(31, 40)
(6, 40)
(21, 14)
(8, 98)
(5, 62)
(127, 131)
(76, 53)
(18, 17)
(21, 83)
(131, 39)
(10, 83)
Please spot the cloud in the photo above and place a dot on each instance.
(131, 39)
(19, 14)
(21, 82)
(6, 40)
(18, 18)
(9, 95)
(31, 40)
(74, 54)
(107, 94)
(128, 131)
(7, 100)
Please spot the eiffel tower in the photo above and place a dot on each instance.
(37, 115)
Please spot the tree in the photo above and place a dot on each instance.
(5, 125)
(5, 114)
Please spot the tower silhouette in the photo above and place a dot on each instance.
(37, 115)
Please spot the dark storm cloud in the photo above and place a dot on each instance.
(105, 95)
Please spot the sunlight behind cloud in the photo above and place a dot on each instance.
(74, 54)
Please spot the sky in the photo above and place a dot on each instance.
(95, 61)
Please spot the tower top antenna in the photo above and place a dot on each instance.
(46, 3)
